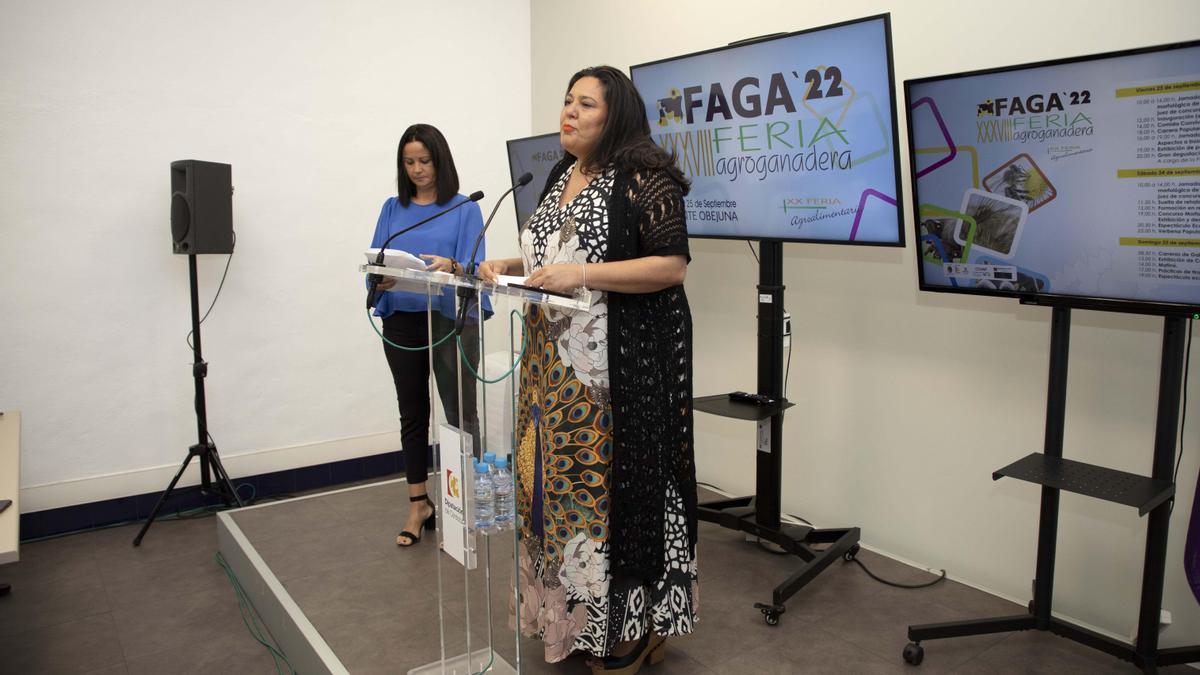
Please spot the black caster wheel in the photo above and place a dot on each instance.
(851, 553)
(914, 654)
(770, 612)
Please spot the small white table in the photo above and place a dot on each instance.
(10, 488)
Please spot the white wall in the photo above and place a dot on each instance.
(306, 100)
(908, 401)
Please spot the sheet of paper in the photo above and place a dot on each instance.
(394, 257)
(508, 280)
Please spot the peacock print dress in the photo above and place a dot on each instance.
(569, 599)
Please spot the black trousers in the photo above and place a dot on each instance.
(410, 373)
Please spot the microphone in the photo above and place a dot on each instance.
(469, 269)
(374, 279)
(521, 182)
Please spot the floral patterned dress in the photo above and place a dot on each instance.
(564, 427)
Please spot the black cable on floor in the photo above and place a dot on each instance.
(896, 584)
(886, 582)
(795, 517)
(871, 574)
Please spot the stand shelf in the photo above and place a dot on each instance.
(1090, 480)
(722, 405)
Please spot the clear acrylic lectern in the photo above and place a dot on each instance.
(476, 569)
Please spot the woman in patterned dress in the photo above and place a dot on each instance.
(605, 470)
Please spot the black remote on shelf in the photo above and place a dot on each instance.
(744, 397)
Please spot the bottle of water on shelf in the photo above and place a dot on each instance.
(485, 515)
(489, 458)
(504, 495)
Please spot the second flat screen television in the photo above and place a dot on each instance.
(1074, 180)
(790, 138)
(537, 155)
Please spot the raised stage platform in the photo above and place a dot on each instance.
(338, 596)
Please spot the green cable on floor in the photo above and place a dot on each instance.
(246, 608)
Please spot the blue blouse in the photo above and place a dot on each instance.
(449, 236)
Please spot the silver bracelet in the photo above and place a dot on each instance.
(585, 274)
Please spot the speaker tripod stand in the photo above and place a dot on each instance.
(205, 449)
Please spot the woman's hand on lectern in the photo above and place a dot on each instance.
(489, 269)
(437, 263)
(558, 277)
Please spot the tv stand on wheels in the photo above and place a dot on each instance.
(758, 515)
(1151, 495)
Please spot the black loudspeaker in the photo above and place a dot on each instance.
(201, 207)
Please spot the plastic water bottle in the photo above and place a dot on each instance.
(489, 458)
(504, 495)
(485, 496)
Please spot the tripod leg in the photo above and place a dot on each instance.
(137, 541)
(223, 477)
(205, 478)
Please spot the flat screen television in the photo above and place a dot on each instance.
(1074, 181)
(537, 155)
(789, 137)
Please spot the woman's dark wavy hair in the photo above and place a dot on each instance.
(625, 141)
(443, 163)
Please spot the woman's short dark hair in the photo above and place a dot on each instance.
(439, 154)
(625, 141)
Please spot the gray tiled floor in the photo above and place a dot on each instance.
(91, 603)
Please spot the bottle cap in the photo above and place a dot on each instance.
(480, 467)
(489, 457)
(501, 463)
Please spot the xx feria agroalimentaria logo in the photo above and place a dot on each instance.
(453, 485)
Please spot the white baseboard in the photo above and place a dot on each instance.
(155, 479)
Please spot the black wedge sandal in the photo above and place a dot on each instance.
(651, 648)
(429, 523)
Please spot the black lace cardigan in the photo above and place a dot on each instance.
(650, 373)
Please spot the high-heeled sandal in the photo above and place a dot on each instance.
(652, 647)
(429, 523)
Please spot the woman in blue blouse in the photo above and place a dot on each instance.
(427, 183)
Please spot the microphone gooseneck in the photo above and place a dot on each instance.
(467, 294)
(521, 182)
